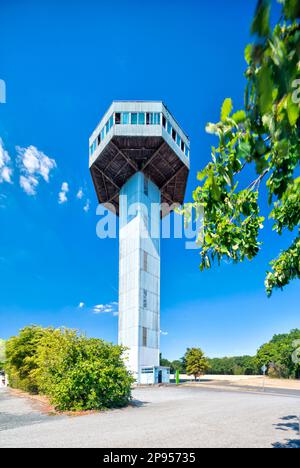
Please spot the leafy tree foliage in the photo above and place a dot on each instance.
(174, 365)
(21, 355)
(264, 136)
(278, 355)
(196, 362)
(76, 372)
(240, 365)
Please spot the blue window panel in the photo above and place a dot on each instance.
(187, 152)
(102, 134)
(111, 122)
(169, 128)
(141, 118)
(134, 117)
(91, 150)
(125, 118)
(156, 118)
(107, 127)
(178, 140)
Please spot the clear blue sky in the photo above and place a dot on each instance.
(63, 63)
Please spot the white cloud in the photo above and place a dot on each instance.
(106, 309)
(29, 184)
(163, 333)
(65, 187)
(2, 200)
(80, 194)
(86, 207)
(81, 305)
(5, 165)
(34, 165)
(62, 196)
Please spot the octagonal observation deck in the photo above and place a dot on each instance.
(139, 136)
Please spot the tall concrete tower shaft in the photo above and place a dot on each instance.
(139, 158)
(139, 288)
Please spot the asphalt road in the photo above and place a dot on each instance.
(160, 417)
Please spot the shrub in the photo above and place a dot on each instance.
(78, 373)
(21, 358)
(75, 372)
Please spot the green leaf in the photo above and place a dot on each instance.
(244, 150)
(261, 23)
(293, 111)
(226, 109)
(248, 53)
(266, 88)
(239, 116)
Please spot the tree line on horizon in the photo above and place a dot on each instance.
(277, 355)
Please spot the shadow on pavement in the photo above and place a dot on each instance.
(289, 423)
(138, 403)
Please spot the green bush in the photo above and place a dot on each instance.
(21, 358)
(78, 373)
(75, 372)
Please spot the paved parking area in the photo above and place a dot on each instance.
(160, 417)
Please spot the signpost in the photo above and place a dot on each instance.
(264, 370)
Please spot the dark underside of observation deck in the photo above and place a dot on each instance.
(122, 157)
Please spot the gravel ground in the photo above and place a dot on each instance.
(160, 417)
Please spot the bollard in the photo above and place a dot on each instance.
(177, 377)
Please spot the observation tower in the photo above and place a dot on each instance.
(139, 158)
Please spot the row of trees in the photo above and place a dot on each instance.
(281, 355)
(75, 372)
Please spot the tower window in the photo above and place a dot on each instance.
(164, 121)
(125, 118)
(117, 118)
(145, 299)
(182, 145)
(146, 186)
(173, 134)
(144, 336)
(134, 118)
(141, 118)
(145, 261)
(156, 118)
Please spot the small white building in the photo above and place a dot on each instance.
(154, 375)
